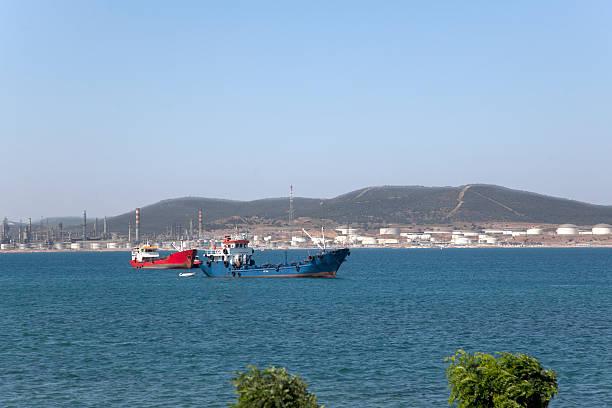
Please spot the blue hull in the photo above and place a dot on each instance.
(323, 265)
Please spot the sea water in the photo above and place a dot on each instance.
(87, 330)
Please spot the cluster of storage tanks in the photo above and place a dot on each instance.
(571, 229)
(74, 246)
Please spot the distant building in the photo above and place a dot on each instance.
(461, 240)
(388, 241)
(346, 230)
(486, 239)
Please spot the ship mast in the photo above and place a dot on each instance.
(313, 240)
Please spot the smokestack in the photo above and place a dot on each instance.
(129, 231)
(200, 222)
(96, 227)
(105, 228)
(61, 231)
(137, 230)
(84, 225)
(5, 228)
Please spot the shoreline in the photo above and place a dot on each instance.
(23, 251)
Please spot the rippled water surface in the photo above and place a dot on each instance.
(85, 329)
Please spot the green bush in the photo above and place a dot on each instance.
(509, 381)
(271, 388)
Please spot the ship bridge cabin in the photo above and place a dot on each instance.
(145, 253)
(232, 250)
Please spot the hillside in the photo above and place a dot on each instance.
(375, 206)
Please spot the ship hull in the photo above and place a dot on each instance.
(324, 265)
(176, 260)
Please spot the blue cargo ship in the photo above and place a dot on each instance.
(234, 259)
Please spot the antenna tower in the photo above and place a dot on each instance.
(291, 206)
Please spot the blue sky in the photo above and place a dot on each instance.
(109, 105)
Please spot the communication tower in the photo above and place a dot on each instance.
(291, 206)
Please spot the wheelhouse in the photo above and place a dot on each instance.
(145, 253)
(232, 250)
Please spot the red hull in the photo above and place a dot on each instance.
(176, 260)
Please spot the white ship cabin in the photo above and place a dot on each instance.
(145, 253)
(234, 250)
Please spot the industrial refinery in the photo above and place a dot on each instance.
(91, 235)
(95, 235)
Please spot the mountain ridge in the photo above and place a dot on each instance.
(374, 206)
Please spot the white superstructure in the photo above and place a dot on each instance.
(146, 253)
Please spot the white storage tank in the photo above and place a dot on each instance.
(95, 245)
(567, 229)
(5, 247)
(389, 231)
(111, 245)
(535, 231)
(75, 245)
(23, 246)
(602, 229)
(58, 245)
(367, 240)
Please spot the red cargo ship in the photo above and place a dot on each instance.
(147, 257)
